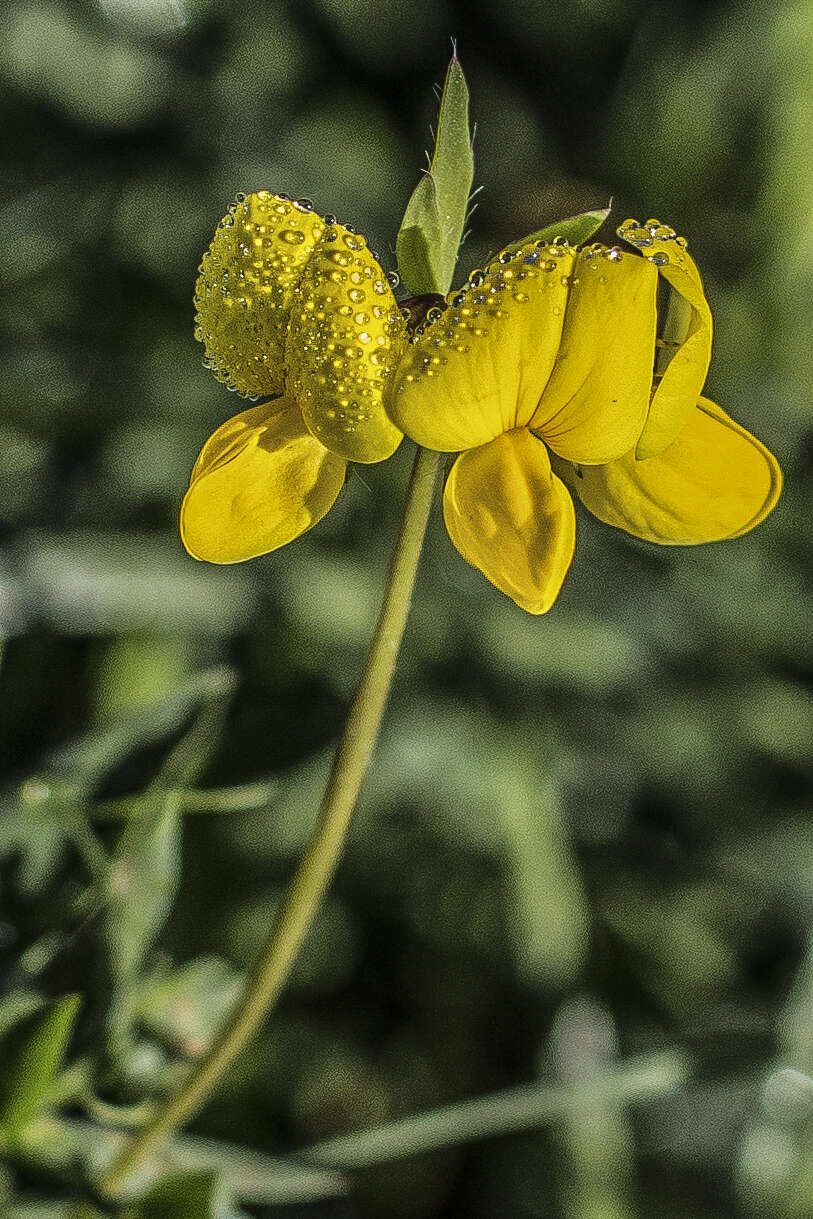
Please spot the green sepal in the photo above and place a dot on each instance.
(433, 223)
(575, 229)
(419, 240)
(31, 1052)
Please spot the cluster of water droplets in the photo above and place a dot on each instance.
(258, 252)
(248, 281)
(652, 236)
(345, 334)
(517, 277)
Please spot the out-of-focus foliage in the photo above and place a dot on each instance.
(570, 936)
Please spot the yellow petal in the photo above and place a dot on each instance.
(511, 517)
(688, 335)
(243, 292)
(596, 402)
(715, 481)
(261, 480)
(480, 368)
(345, 336)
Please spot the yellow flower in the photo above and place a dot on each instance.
(547, 372)
(290, 304)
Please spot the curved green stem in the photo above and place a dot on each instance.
(313, 875)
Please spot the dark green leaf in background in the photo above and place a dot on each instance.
(30, 1055)
(186, 1195)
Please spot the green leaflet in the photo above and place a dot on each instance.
(576, 229)
(30, 1055)
(432, 227)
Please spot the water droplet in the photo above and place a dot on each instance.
(292, 236)
(521, 297)
(660, 260)
(476, 278)
(340, 258)
(638, 236)
(532, 258)
(614, 255)
(393, 279)
(304, 205)
(330, 218)
(560, 241)
(356, 294)
(354, 241)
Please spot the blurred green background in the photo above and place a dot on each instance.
(585, 849)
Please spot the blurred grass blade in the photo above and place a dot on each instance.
(31, 1052)
(576, 229)
(551, 926)
(433, 223)
(241, 798)
(525, 1108)
(248, 1174)
(596, 1134)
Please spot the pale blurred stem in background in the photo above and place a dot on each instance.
(318, 864)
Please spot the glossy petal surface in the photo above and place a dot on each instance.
(346, 334)
(243, 293)
(480, 369)
(715, 481)
(511, 517)
(596, 402)
(679, 384)
(260, 481)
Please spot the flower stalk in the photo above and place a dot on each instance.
(273, 966)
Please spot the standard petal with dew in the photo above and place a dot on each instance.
(595, 404)
(261, 480)
(345, 337)
(715, 481)
(479, 368)
(243, 292)
(511, 517)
